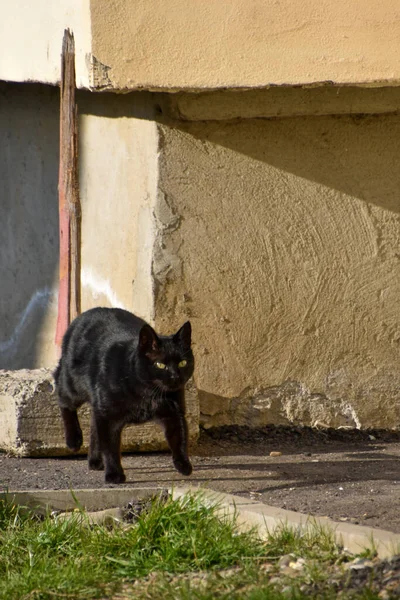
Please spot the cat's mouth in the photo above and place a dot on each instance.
(169, 386)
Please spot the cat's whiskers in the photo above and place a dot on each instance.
(157, 392)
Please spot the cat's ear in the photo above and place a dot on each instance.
(148, 340)
(184, 335)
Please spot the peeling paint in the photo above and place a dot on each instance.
(100, 287)
(289, 403)
(98, 73)
(43, 298)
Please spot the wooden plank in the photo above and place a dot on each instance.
(69, 304)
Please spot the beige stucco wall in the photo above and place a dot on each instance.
(188, 44)
(284, 254)
(192, 44)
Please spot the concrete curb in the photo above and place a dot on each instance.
(90, 499)
(249, 513)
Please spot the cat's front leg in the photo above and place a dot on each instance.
(95, 457)
(176, 433)
(109, 444)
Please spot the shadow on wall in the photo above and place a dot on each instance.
(294, 263)
(356, 154)
(29, 152)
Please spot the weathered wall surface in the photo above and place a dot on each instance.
(125, 45)
(281, 244)
(118, 181)
(29, 223)
(244, 43)
(277, 237)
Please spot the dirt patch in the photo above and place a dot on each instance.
(358, 578)
(347, 475)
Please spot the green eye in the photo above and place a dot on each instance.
(182, 364)
(160, 365)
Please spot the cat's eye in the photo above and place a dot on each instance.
(160, 365)
(182, 364)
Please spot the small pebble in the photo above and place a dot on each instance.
(285, 560)
(275, 453)
(297, 565)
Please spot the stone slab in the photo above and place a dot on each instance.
(89, 500)
(30, 422)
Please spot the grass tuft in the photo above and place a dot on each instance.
(45, 558)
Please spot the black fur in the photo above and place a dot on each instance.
(109, 359)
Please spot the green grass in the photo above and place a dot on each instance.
(177, 550)
(42, 558)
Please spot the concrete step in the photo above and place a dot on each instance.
(30, 421)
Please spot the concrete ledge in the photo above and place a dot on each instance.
(249, 513)
(30, 422)
(283, 101)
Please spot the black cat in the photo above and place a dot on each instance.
(129, 374)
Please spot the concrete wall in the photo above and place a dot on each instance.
(29, 223)
(31, 36)
(118, 181)
(125, 45)
(284, 254)
(269, 217)
(277, 237)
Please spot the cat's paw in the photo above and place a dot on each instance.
(115, 477)
(184, 466)
(96, 464)
(74, 440)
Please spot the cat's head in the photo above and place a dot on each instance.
(165, 361)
